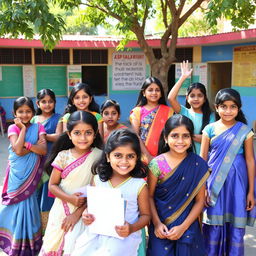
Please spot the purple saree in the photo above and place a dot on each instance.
(226, 218)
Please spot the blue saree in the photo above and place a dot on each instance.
(226, 218)
(20, 232)
(46, 202)
(174, 198)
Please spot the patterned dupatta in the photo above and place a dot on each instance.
(23, 172)
(154, 125)
(175, 193)
(223, 151)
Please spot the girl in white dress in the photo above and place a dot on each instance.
(120, 167)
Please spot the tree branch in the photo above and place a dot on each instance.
(166, 36)
(144, 20)
(172, 7)
(164, 12)
(127, 11)
(173, 45)
(135, 6)
(190, 11)
(181, 6)
(114, 15)
(148, 51)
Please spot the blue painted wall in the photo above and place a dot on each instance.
(248, 94)
(219, 52)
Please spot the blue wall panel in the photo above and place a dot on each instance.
(219, 52)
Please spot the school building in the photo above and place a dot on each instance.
(218, 61)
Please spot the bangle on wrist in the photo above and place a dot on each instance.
(28, 145)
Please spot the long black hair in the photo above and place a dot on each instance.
(206, 109)
(23, 101)
(64, 143)
(150, 80)
(173, 122)
(70, 108)
(118, 138)
(232, 95)
(41, 94)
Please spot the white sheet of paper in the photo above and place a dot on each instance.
(107, 206)
(82, 190)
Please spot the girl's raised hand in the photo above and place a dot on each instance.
(77, 200)
(87, 218)
(161, 231)
(185, 72)
(250, 202)
(18, 122)
(176, 232)
(124, 230)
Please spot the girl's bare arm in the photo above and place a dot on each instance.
(250, 163)
(40, 148)
(205, 147)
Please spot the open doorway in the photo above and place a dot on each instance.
(96, 77)
(220, 75)
(171, 77)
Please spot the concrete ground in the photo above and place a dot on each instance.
(250, 237)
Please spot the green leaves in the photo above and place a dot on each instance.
(27, 18)
(240, 12)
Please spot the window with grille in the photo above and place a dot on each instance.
(15, 56)
(180, 53)
(59, 56)
(90, 56)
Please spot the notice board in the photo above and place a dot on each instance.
(129, 70)
(11, 84)
(52, 77)
(244, 66)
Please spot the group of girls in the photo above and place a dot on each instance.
(159, 152)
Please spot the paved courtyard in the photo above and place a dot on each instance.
(250, 237)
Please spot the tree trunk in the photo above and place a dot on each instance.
(160, 70)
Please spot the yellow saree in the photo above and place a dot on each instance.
(75, 175)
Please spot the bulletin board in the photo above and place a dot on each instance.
(128, 70)
(244, 66)
(11, 82)
(52, 77)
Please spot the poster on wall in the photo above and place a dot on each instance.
(244, 66)
(74, 73)
(128, 71)
(186, 83)
(28, 80)
(199, 74)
